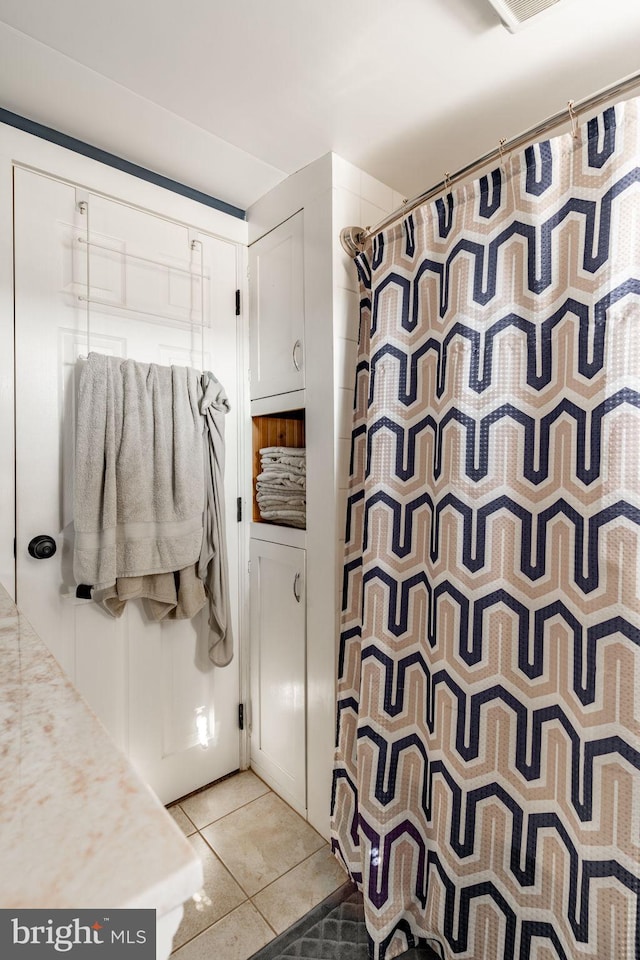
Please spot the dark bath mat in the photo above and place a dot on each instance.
(334, 930)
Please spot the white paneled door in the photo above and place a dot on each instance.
(149, 282)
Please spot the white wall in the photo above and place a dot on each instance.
(359, 201)
(43, 85)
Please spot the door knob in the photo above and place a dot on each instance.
(42, 547)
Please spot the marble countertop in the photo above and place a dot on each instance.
(78, 827)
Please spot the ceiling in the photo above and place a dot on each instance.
(233, 95)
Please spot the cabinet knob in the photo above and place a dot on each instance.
(297, 346)
(296, 587)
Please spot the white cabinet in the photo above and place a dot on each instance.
(276, 313)
(277, 717)
(330, 192)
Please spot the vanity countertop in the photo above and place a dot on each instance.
(78, 827)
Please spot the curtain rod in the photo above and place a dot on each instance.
(354, 239)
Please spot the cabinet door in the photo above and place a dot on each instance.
(276, 286)
(278, 669)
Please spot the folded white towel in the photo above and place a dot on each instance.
(296, 464)
(283, 451)
(286, 478)
(291, 518)
(273, 503)
(279, 484)
(284, 469)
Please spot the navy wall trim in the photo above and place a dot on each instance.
(95, 153)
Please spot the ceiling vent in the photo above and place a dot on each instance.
(515, 13)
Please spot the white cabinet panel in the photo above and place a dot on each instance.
(276, 267)
(277, 586)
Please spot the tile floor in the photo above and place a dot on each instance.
(264, 868)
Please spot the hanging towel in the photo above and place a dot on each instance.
(139, 475)
(166, 596)
(213, 566)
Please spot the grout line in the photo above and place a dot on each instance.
(271, 927)
(248, 898)
(187, 816)
(308, 857)
(227, 868)
(204, 929)
(235, 810)
(206, 786)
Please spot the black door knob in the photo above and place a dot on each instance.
(42, 547)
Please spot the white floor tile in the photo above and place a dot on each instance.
(224, 797)
(236, 937)
(291, 896)
(219, 895)
(182, 820)
(261, 841)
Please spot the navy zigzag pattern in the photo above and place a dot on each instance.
(592, 328)
(487, 775)
(586, 531)
(588, 433)
(596, 218)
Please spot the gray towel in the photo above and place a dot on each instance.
(282, 458)
(284, 464)
(166, 596)
(265, 488)
(139, 474)
(292, 499)
(290, 518)
(284, 478)
(213, 566)
(298, 452)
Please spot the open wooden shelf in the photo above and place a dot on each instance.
(274, 430)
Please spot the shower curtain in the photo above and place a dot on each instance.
(486, 793)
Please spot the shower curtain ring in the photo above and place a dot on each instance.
(501, 143)
(447, 181)
(574, 119)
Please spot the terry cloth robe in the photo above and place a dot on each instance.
(213, 565)
(139, 486)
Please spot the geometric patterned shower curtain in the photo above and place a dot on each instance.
(486, 792)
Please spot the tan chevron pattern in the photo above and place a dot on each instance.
(486, 792)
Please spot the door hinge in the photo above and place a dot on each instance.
(239, 509)
(241, 715)
(14, 548)
(237, 303)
